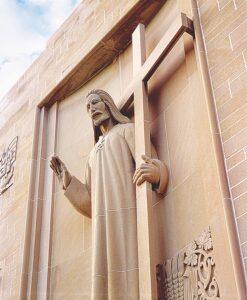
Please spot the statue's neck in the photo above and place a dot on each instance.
(106, 126)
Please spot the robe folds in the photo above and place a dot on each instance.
(108, 197)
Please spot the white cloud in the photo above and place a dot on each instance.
(16, 35)
(57, 11)
(42, 2)
(25, 26)
(12, 69)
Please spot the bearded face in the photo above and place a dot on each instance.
(97, 110)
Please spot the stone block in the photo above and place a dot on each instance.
(235, 159)
(238, 35)
(238, 173)
(242, 222)
(240, 205)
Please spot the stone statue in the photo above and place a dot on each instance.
(108, 197)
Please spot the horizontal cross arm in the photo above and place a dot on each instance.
(175, 31)
(180, 25)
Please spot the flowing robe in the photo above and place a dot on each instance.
(108, 197)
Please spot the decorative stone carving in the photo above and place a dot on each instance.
(7, 160)
(190, 274)
(174, 269)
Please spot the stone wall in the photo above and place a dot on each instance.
(181, 128)
(224, 28)
(183, 134)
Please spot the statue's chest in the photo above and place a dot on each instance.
(109, 143)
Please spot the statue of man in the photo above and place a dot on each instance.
(108, 197)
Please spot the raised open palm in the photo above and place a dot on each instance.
(61, 171)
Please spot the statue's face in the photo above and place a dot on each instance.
(97, 109)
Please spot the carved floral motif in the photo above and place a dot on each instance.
(194, 278)
(204, 263)
(205, 241)
(191, 257)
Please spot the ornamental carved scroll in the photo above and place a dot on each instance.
(190, 275)
(7, 161)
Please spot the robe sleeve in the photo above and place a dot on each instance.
(79, 193)
(130, 138)
(161, 187)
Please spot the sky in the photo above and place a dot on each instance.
(25, 27)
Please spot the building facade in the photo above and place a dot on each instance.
(198, 125)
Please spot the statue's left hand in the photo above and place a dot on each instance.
(148, 171)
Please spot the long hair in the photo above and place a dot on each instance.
(115, 113)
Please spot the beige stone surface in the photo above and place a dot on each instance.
(235, 159)
(70, 280)
(179, 116)
(181, 130)
(240, 205)
(244, 250)
(13, 204)
(225, 40)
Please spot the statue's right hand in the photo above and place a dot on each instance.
(61, 171)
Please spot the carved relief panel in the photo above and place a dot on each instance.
(7, 161)
(190, 275)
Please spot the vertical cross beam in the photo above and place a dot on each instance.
(147, 273)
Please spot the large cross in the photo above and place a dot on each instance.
(143, 69)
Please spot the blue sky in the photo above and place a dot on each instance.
(25, 26)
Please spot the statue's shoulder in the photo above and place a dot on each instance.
(127, 131)
(126, 128)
